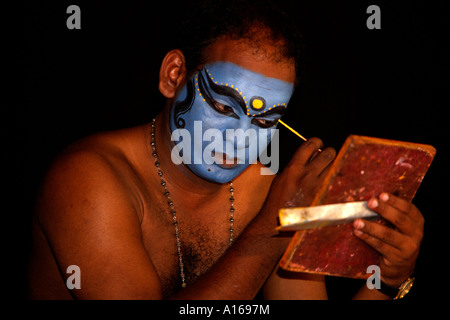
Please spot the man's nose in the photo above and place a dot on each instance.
(240, 137)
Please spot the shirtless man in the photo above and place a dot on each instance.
(108, 209)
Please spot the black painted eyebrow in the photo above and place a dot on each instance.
(281, 110)
(223, 90)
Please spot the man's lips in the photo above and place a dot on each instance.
(227, 162)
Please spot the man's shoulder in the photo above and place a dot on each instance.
(93, 154)
(95, 169)
(105, 151)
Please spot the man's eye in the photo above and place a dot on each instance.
(222, 108)
(263, 123)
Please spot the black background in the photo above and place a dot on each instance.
(390, 83)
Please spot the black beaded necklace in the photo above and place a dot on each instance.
(174, 213)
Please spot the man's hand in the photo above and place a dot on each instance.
(257, 250)
(398, 246)
(297, 185)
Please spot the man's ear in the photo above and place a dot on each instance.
(172, 73)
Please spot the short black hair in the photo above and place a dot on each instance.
(201, 22)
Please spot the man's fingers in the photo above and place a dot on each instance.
(378, 235)
(399, 247)
(384, 249)
(393, 211)
(403, 205)
(305, 152)
(323, 160)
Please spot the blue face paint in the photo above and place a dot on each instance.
(225, 96)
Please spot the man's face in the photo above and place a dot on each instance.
(230, 99)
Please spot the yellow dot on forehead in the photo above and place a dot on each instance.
(257, 104)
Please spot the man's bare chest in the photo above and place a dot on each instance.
(203, 229)
(204, 238)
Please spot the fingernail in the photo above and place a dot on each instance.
(357, 232)
(373, 203)
(358, 224)
(384, 197)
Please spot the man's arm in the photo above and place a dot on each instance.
(295, 286)
(90, 220)
(243, 269)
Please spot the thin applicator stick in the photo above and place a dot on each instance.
(293, 131)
